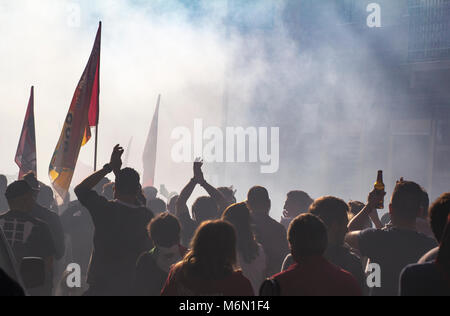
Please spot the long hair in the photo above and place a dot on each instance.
(213, 252)
(443, 258)
(239, 216)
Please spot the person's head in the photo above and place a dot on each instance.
(297, 202)
(157, 206)
(45, 196)
(164, 230)
(438, 214)
(33, 182)
(150, 193)
(172, 205)
(307, 236)
(354, 208)
(3, 183)
(406, 202)
(228, 193)
(204, 208)
(258, 200)
(213, 251)
(239, 216)
(108, 190)
(20, 196)
(334, 214)
(127, 185)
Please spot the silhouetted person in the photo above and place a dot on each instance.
(422, 224)
(432, 278)
(437, 215)
(354, 208)
(150, 193)
(120, 229)
(27, 235)
(312, 274)
(153, 266)
(250, 254)
(204, 207)
(297, 202)
(45, 214)
(229, 195)
(46, 198)
(334, 213)
(269, 233)
(3, 185)
(396, 245)
(172, 204)
(209, 268)
(157, 206)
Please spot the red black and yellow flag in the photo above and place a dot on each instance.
(26, 150)
(83, 114)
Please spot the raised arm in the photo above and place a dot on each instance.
(212, 191)
(181, 206)
(114, 165)
(352, 238)
(368, 211)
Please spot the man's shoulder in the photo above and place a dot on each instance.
(22, 216)
(40, 211)
(420, 270)
(139, 213)
(415, 238)
(147, 258)
(286, 274)
(238, 277)
(273, 224)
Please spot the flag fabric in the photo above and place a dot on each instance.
(149, 157)
(26, 150)
(83, 114)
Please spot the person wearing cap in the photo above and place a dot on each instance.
(27, 235)
(44, 214)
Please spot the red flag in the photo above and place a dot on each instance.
(83, 113)
(149, 157)
(26, 150)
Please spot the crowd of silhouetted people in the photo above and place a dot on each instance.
(128, 241)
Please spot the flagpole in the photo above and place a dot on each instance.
(98, 103)
(95, 150)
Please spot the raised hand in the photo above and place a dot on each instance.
(116, 158)
(198, 173)
(374, 199)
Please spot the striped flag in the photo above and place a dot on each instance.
(26, 150)
(83, 114)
